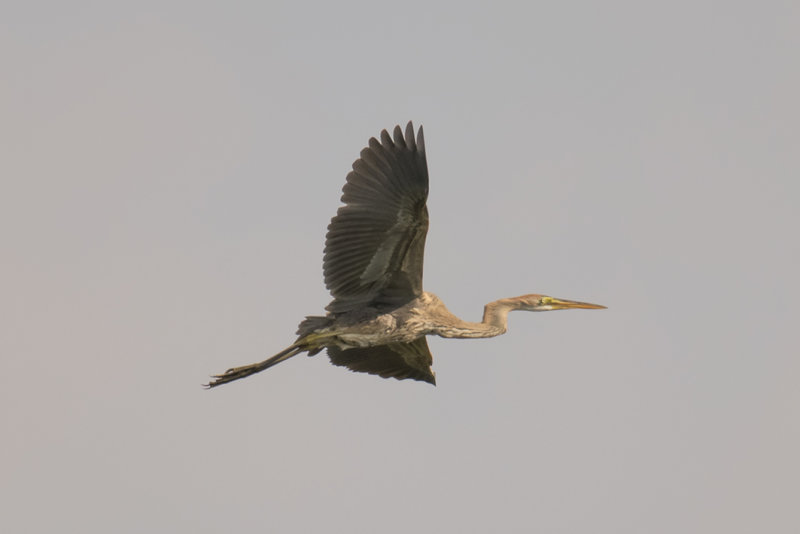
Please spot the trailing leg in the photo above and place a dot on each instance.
(246, 370)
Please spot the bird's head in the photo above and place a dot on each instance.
(545, 303)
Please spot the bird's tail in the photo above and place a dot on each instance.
(241, 372)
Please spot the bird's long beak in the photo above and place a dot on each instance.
(559, 304)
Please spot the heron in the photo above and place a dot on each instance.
(379, 317)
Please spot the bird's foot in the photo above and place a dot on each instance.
(233, 374)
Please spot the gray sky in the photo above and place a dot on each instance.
(168, 171)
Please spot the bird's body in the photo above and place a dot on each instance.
(379, 317)
(422, 316)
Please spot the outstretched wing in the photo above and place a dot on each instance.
(395, 360)
(375, 244)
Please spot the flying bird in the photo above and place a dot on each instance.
(379, 315)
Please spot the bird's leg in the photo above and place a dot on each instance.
(246, 370)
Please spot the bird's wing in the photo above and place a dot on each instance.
(375, 244)
(395, 360)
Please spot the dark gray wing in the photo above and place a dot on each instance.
(375, 243)
(395, 360)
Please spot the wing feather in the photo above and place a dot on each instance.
(376, 242)
(395, 360)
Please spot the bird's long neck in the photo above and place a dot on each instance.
(495, 321)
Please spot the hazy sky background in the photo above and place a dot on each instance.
(167, 173)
